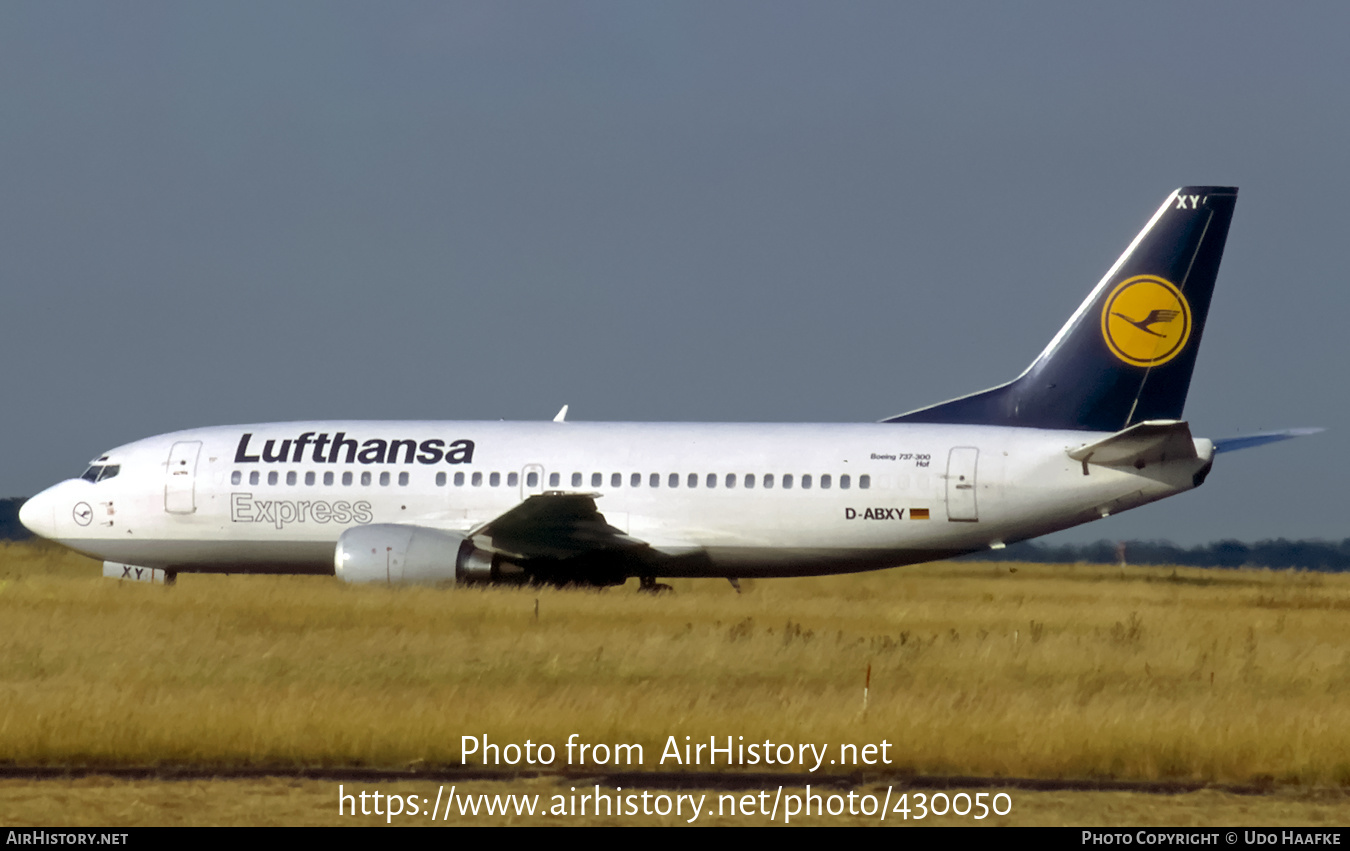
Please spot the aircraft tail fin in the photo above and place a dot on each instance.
(1126, 355)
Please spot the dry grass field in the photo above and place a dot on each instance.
(1232, 677)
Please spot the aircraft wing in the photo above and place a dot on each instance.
(555, 524)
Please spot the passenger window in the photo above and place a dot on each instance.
(290, 477)
(731, 480)
(806, 482)
(864, 482)
(597, 479)
(513, 480)
(712, 480)
(616, 480)
(844, 482)
(787, 481)
(403, 480)
(825, 482)
(236, 477)
(554, 479)
(635, 480)
(459, 480)
(576, 480)
(440, 480)
(674, 480)
(253, 477)
(309, 479)
(272, 477)
(477, 480)
(328, 478)
(346, 479)
(532, 480)
(749, 480)
(693, 480)
(495, 480)
(654, 480)
(365, 480)
(768, 480)
(384, 480)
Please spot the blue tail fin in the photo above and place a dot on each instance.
(1126, 355)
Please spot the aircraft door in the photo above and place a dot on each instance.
(531, 480)
(181, 477)
(961, 463)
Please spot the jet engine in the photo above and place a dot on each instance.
(396, 555)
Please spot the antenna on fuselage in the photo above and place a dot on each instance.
(562, 415)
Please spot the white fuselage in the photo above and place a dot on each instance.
(749, 499)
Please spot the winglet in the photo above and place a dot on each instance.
(562, 415)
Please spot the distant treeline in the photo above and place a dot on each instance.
(1280, 553)
(10, 527)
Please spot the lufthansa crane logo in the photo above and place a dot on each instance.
(1146, 321)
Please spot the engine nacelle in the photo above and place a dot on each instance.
(386, 552)
(394, 554)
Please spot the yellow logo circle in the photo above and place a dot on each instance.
(1146, 321)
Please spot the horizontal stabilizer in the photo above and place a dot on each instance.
(1232, 444)
(1149, 442)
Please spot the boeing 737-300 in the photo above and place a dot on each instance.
(1092, 427)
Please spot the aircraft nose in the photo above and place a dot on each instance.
(38, 515)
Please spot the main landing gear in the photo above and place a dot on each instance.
(649, 585)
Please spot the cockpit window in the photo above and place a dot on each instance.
(99, 472)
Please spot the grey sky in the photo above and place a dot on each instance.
(215, 213)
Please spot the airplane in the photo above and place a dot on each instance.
(1091, 428)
